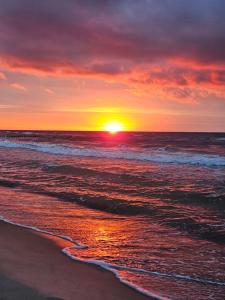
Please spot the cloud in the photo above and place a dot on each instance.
(4, 106)
(2, 76)
(49, 91)
(18, 86)
(175, 43)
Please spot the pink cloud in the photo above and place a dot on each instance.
(145, 45)
(49, 91)
(2, 76)
(18, 86)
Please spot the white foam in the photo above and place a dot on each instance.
(77, 245)
(66, 238)
(155, 155)
(115, 268)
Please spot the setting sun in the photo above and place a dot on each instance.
(113, 126)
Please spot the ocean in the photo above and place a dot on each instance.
(148, 206)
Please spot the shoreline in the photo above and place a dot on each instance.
(36, 261)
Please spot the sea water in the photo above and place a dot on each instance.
(148, 206)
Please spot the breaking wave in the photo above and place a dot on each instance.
(161, 155)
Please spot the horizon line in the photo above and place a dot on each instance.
(105, 131)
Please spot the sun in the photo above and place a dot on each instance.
(113, 126)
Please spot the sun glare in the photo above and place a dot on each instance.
(113, 126)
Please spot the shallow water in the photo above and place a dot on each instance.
(152, 203)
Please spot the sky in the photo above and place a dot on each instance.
(77, 64)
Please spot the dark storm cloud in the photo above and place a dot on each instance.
(116, 37)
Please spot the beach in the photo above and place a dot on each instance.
(32, 266)
(112, 150)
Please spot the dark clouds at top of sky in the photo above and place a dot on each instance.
(148, 41)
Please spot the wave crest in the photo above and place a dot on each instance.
(152, 155)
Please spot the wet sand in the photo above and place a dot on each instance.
(32, 266)
(11, 289)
